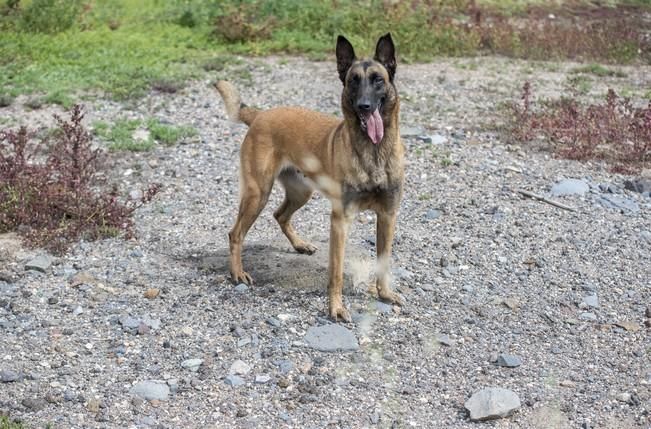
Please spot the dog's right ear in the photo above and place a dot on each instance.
(345, 57)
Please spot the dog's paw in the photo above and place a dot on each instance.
(306, 248)
(241, 277)
(338, 311)
(390, 296)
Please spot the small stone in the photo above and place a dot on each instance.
(129, 322)
(591, 317)
(569, 187)
(234, 380)
(151, 389)
(40, 263)
(273, 322)
(81, 278)
(567, 383)
(383, 307)
(151, 293)
(492, 403)
(241, 413)
(241, 288)
(143, 329)
(52, 300)
(443, 339)
(261, 379)
(34, 404)
(591, 301)
(646, 235)
(186, 331)
(432, 214)
(239, 367)
(509, 361)
(647, 312)
(192, 364)
(330, 338)
(9, 376)
(78, 310)
(284, 365)
(93, 405)
(640, 185)
(623, 397)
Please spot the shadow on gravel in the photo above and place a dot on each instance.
(280, 265)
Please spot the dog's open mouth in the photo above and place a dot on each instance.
(373, 125)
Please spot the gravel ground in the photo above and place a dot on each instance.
(484, 270)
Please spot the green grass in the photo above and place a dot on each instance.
(5, 423)
(123, 48)
(120, 135)
(598, 70)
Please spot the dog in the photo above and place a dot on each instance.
(357, 163)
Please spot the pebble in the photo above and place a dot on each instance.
(432, 214)
(588, 316)
(443, 339)
(261, 379)
(640, 185)
(284, 365)
(9, 376)
(151, 390)
(273, 322)
(34, 404)
(192, 364)
(151, 293)
(492, 403)
(569, 187)
(233, 380)
(239, 367)
(241, 288)
(509, 361)
(623, 397)
(591, 301)
(618, 203)
(331, 338)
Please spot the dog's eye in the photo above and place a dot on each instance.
(377, 80)
(354, 80)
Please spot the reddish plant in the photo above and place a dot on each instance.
(50, 191)
(615, 131)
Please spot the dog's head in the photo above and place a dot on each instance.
(369, 94)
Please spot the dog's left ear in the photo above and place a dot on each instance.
(385, 54)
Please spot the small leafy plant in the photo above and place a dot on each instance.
(50, 191)
(614, 130)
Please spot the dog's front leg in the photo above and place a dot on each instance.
(386, 224)
(338, 231)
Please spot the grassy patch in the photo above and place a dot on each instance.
(6, 423)
(140, 136)
(598, 70)
(123, 48)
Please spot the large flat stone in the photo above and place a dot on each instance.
(331, 338)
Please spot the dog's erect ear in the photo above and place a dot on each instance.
(385, 54)
(345, 57)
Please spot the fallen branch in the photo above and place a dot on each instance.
(546, 200)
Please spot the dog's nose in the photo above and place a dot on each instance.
(364, 106)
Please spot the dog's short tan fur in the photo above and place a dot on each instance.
(307, 150)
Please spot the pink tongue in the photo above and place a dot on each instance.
(375, 127)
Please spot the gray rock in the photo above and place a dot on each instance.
(239, 367)
(588, 316)
(509, 361)
(432, 214)
(383, 307)
(273, 322)
(284, 365)
(618, 203)
(646, 235)
(129, 322)
(402, 273)
(9, 376)
(150, 390)
(241, 288)
(330, 338)
(192, 364)
(433, 138)
(40, 263)
(152, 323)
(569, 187)
(443, 339)
(261, 379)
(34, 404)
(640, 185)
(591, 301)
(234, 380)
(492, 403)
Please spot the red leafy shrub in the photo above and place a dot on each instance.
(50, 191)
(615, 130)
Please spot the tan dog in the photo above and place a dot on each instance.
(356, 163)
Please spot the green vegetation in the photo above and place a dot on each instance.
(62, 50)
(598, 70)
(6, 423)
(140, 136)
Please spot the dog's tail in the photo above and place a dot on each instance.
(236, 110)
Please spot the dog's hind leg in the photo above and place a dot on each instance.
(297, 193)
(256, 181)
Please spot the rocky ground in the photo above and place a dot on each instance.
(551, 306)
